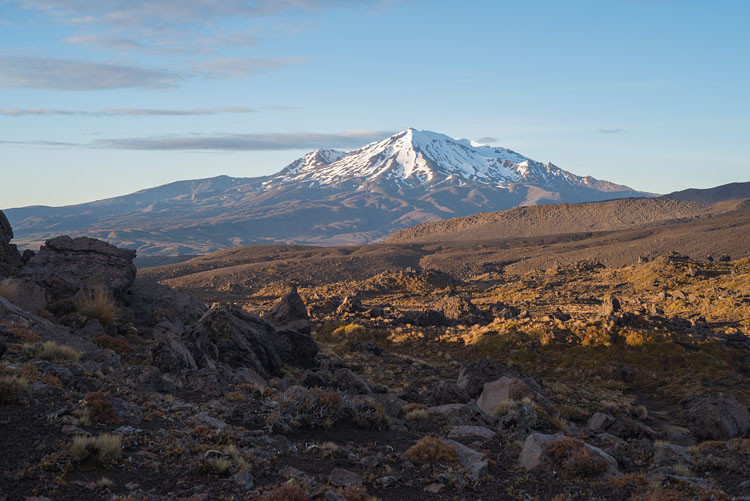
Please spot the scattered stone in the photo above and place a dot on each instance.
(244, 479)
(347, 381)
(670, 455)
(350, 304)
(599, 422)
(243, 375)
(342, 478)
(458, 432)
(474, 462)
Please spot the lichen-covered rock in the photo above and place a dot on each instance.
(66, 265)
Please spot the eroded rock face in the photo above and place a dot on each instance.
(66, 265)
(716, 417)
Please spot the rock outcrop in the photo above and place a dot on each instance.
(292, 323)
(64, 266)
(716, 417)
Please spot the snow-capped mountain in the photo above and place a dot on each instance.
(325, 197)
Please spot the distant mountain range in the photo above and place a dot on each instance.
(327, 197)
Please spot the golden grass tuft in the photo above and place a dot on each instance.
(49, 350)
(105, 449)
(416, 415)
(8, 288)
(432, 450)
(97, 304)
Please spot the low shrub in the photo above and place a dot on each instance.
(368, 413)
(431, 450)
(112, 343)
(49, 350)
(416, 415)
(100, 408)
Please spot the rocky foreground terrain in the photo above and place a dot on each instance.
(576, 381)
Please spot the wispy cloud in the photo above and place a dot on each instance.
(278, 141)
(111, 112)
(71, 74)
(487, 140)
(610, 131)
(235, 67)
(247, 142)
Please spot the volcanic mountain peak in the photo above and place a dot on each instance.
(410, 157)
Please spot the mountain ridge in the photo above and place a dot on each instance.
(326, 197)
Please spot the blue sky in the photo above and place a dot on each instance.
(104, 97)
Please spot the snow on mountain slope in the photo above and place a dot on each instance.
(415, 157)
(327, 197)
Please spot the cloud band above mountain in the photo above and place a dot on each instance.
(248, 142)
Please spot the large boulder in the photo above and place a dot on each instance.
(716, 417)
(65, 265)
(9, 256)
(510, 389)
(292, 323)
(227, 339)
(547, 452)
(151, 302)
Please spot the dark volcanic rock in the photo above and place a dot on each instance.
(716, 417)
(289, 317)
(230, 339)
(9, 256)
(151, 301)
(290, 313)
(435, 394)
(610, 306)
(66, 265)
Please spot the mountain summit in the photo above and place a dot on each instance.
(326, 197)
(415, 157)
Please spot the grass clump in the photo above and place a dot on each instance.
(11, 389)
(8, 288)
(573, 456)
(217, 466)
(416, 415)
(49, 350)
(97, 304)
(105, 483)
(103, 450)
(431, 450)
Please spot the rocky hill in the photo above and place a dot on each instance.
(573, 381)
(552, 220)
(732, 191)
(327, 197)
